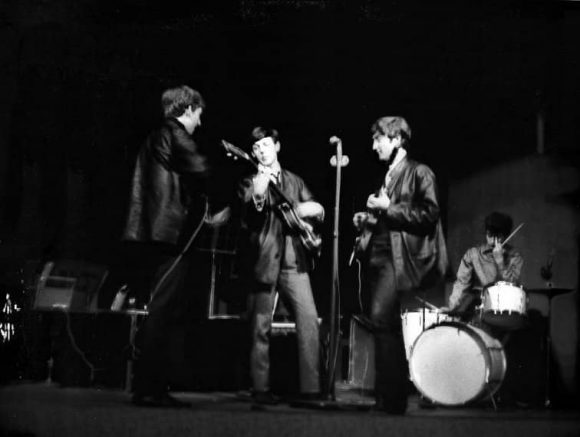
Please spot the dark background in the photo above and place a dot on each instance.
(81, 81)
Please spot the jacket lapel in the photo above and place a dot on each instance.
(395, 177)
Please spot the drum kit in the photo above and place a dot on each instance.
(453, 363)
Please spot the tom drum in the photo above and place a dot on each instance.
(504, 305)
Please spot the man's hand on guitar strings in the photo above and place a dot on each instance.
(310, 209)
(380, 203)
(359, 220)
(261, 182)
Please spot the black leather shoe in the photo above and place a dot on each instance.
(265, 398)
(317, 396)
(390, 407)
(426, 404)
(164, 400)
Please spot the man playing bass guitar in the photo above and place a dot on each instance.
(279, 262)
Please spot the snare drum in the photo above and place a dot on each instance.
(454, 363)
(504, 304)
(415, 322)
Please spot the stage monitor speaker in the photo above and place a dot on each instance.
(361, 363)
(69, 285)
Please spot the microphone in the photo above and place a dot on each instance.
(337, 142)
(334, 140)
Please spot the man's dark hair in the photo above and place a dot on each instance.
(175, 101)
(392, 127)
(260, 132)
(498, 224)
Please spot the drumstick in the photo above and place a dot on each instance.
(424, 302)
(511, 235)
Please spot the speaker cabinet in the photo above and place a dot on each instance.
(69, 285)
(361, 365)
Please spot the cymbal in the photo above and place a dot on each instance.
(551, 291)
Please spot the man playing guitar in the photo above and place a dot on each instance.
(280, 261)
(405, 252)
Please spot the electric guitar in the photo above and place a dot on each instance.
(304, 230)
(362, 241)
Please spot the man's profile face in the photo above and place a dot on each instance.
(266, 151)
(385, 146)
(195, 117)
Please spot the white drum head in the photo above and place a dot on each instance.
(448, 365)
(415, 322)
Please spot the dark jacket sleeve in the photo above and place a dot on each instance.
(305, 194)
(416, 212)
(180, 155)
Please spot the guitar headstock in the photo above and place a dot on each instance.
(235, 152)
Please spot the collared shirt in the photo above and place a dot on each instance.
(478, 268)
(273, 171)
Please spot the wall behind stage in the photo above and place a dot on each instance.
(537, 190)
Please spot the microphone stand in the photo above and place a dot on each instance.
(328, 400)
(337, 161)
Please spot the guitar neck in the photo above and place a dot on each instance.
(239, 153)
(280, 193)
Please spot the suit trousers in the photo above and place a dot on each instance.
(296, 292)
(391, 368)
(165, 310)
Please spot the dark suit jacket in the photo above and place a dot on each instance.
(410, 230)
(159, 199)
(266, 232)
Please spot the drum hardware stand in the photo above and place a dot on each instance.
(548, 400)
(549, 293)
(493, 403)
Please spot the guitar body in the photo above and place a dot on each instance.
(303, 229)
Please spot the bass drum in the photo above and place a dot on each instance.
(454, 363)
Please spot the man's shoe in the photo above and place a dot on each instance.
(426, 404)
(390, 407)
(265, 398)
(164, 400)
(310, 400)
(316, 396)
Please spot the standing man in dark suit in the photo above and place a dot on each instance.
(169, 168)
(406, 252)
(279, 263)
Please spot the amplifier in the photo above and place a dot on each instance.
(361, 362)
(69, 285)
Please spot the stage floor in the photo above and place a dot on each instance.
(28, 409)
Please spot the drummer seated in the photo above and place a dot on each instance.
(485, 264)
